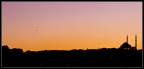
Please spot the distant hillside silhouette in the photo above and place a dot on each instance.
(104, 57)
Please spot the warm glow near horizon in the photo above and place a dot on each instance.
(70, 25)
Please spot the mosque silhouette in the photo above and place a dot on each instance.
(127, 46)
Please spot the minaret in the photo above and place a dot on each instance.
(127, 39)
(136, 41)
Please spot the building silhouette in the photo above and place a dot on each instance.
(127, 46)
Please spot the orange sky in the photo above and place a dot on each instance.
(70, 25)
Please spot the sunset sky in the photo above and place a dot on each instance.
(70, 25)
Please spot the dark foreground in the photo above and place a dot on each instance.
(72, 58)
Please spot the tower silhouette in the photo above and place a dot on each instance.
(127, 39)
(135, 41)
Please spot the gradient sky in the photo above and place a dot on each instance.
(70, 25)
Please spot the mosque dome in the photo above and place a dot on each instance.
(125, 45)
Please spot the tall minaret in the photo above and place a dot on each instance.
(127, 39)
(136, 41)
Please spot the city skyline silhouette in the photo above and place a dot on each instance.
(124, 56)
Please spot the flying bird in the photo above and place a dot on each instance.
(35, 30)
